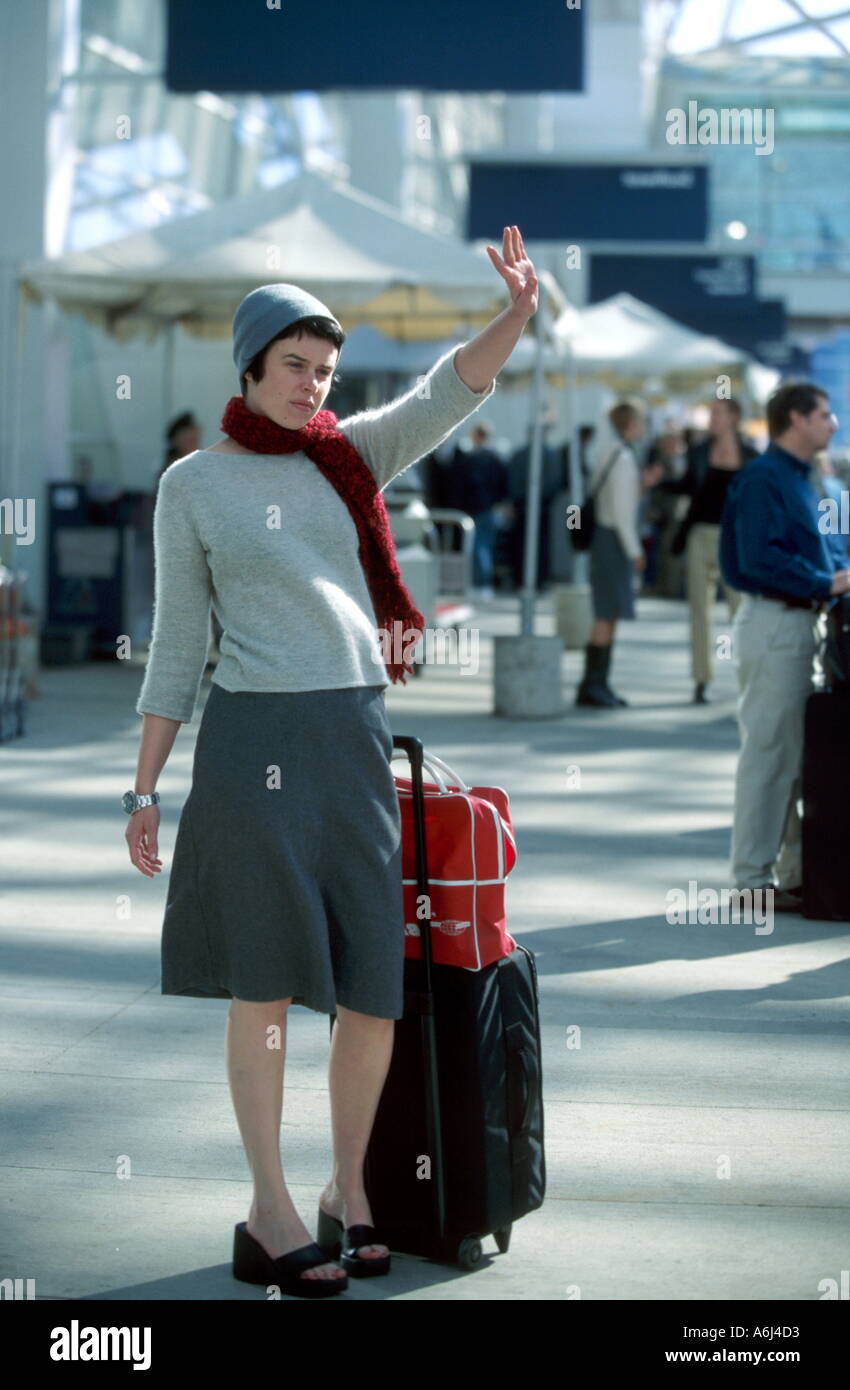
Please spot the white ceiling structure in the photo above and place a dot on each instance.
(755, 28)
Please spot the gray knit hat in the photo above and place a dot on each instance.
(266, 312)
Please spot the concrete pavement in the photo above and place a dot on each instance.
(697, 1139)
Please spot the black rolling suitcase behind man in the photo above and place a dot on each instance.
(826, 779)
(456, 1151)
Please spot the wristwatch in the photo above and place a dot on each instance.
(134, 801)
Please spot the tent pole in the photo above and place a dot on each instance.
(532, 513)
(168, 374)
(577, 482)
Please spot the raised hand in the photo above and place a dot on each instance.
(517, 271)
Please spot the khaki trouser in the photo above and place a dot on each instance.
(774, 651)
(702, 573)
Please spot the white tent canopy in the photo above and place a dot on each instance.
(368, 350)
(353, 251)
(624, 337)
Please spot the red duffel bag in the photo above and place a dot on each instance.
(471, 849)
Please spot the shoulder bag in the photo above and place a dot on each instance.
(582, 535)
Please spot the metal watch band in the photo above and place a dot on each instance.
(136, 801)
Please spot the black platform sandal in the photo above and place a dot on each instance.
(254, 1265)
(334, 1239)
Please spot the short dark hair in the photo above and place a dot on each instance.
(316, 325)
(181, 422)
(792, 395)
(624, 414)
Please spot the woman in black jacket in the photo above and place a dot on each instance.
(711, 465)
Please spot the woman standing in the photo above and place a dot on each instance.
(711, 465)
(616, 552)
(286, 878)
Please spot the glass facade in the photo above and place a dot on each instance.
(795, 202)
(146, 156)
(789, 59)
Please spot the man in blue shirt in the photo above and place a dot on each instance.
(776, 550)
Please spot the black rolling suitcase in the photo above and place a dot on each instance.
(826, 820)
(456, 1151)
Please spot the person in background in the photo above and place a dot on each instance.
(182, 437)
(441, 476)
(552, 481)
(586, 434)
(826, 482)
(693, 435)
(711, 465)
(585, 439)
(482, 486)
(664, 576)
(616, 552)
(773, 551)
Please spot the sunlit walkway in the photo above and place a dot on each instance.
(697, 1133)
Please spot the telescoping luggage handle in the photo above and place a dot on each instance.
(412, 746)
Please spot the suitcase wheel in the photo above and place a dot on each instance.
(469, 1252)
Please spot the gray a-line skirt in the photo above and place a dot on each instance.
(611, 571)
(286, 875)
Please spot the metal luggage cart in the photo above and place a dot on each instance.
(12, 677)
(455, 574)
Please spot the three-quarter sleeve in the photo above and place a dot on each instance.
(181, 621)
(392, 437)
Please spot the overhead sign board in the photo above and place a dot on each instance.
(433, 45)
(719, 284)
(589, 202)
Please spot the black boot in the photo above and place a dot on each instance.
(618, 699)
(593, 690)
(700, 697)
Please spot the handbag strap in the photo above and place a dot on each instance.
(609, 465)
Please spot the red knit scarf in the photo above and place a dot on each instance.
(336, 457)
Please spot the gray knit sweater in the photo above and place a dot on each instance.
(269, 544)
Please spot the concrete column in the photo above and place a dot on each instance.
(36, 169)
(527, 677)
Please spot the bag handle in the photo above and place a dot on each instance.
(426, 763)
(440, 770)
(431, 758)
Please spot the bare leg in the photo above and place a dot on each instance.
(255, 1071)
(361, 1048)
(602, 632)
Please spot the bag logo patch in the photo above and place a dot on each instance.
(448, 928)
